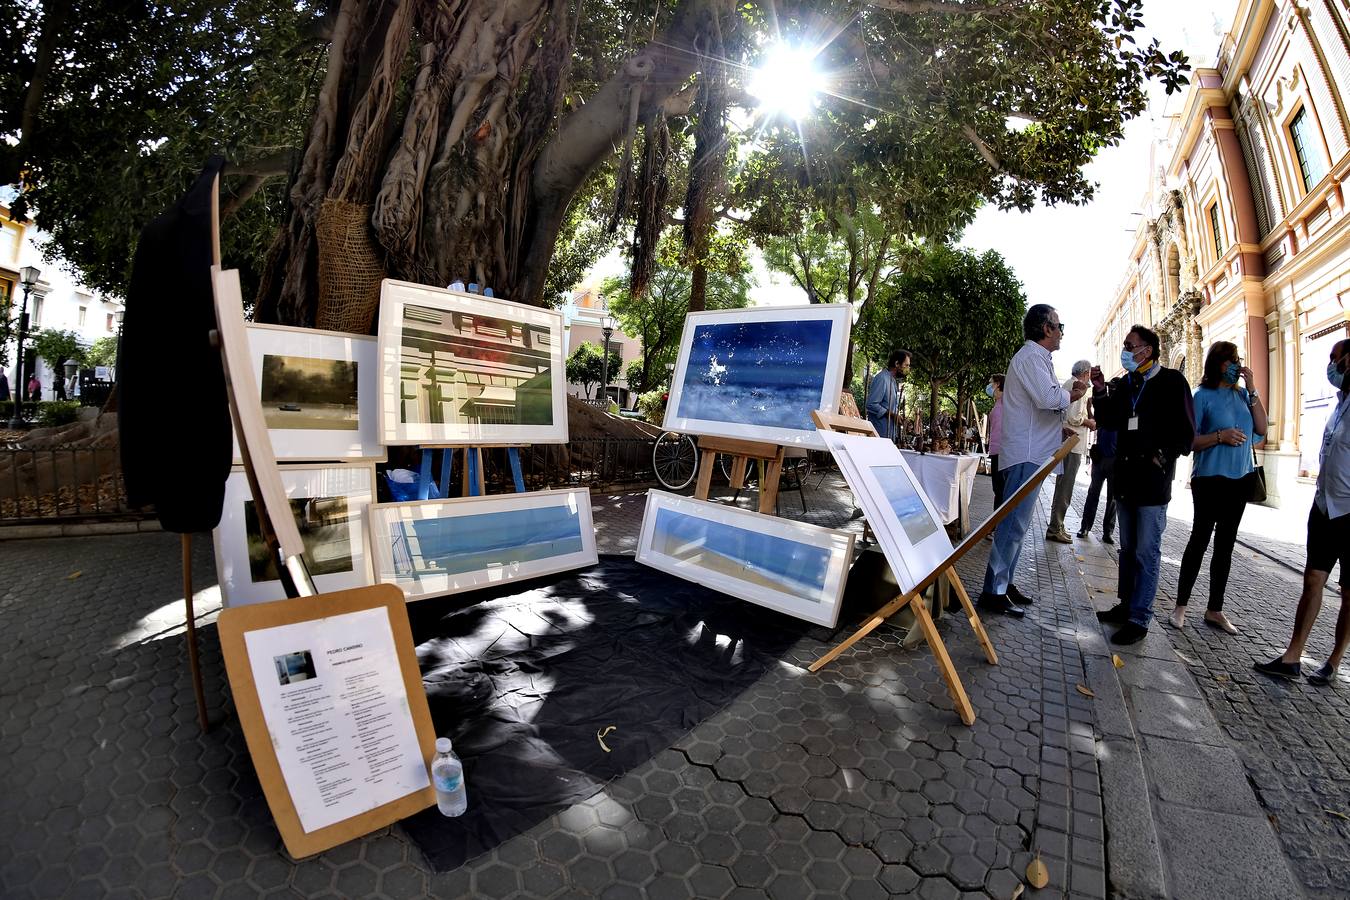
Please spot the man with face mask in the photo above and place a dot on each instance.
(1328, 535)
(883, 395)
(1153, 414)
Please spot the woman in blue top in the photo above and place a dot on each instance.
(1228, 420)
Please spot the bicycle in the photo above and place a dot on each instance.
(675, 460)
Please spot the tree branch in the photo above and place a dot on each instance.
(914, 7)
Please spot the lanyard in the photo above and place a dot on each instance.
(1135, 395)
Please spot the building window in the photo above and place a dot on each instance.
(1218, 232)
(110, 322)
(36, 319)
(1309, 160)
(84, 314)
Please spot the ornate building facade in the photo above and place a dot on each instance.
(1244, 234)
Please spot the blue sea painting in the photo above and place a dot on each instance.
(769, 561)
(769, 374)
(473, 543)
(905, 502)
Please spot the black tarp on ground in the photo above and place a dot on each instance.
(524, 679)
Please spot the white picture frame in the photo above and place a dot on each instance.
(484, 540)
(459, 368)
(276, 349)
(794, 568)
(760, 395)
(326, 530)
(907, 524)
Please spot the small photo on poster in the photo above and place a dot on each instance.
(293, 668)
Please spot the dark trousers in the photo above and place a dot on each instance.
(997, 477)
(1103, 473)
(1219, 505)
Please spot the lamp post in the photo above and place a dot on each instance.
(117, 357)
(607, 327)
(28, 275)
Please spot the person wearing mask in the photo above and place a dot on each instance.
(1079, 423)
(994, 389)
(1328, 536)
(1228, 421)
(1103, 460)
(1151, 411)
(883, 395)
(1034, 407)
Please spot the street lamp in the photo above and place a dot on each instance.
(607, 327)
(28, 275)
(117, 357)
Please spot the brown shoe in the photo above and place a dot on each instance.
(1059, 537)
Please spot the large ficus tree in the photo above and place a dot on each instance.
(434, 139)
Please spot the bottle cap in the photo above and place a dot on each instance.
(442, 745)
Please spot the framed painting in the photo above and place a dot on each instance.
(907, 525)
(459, 368)
(330, 504)
(758, 373)
(429, 548)
(792, 567)
(318, 391)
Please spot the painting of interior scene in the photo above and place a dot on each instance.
(324, 531)
(462, 368)
(301, 392)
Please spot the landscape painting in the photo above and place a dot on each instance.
(465, 368)
(330, 504)
(435, 547)
(793, 567)
(759, 373)
(318, 391)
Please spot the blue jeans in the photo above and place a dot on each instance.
(1141, 531)
(1010, 532)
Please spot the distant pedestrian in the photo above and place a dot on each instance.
(1229, 420)
(1034, 406)
(4, 387)
(34, 388)
(995, 389)
(1328, 536)
(1151, 410)
(884, 395)
(1102, 457)
(1079, 423)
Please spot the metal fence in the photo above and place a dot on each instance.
(62, 483)
(589, 462)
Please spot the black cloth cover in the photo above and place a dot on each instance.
(523, 682)
(173, 413)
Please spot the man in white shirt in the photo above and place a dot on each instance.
(1034, 410)
(1328, 536)
(1079, 423)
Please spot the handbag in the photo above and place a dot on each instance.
(1256, 481)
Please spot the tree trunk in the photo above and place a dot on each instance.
(698, 288)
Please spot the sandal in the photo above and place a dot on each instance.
(1221, 623)
(1178, 617)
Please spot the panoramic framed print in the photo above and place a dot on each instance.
(903, 518)
(433, 547)
(758, 373)
(318, 391)
(459, 368)
(331, 507)
(792, 567)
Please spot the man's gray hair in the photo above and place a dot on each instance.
(1080, 367)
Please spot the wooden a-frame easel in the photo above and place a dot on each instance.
(742, 453)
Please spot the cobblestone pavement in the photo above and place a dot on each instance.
(858, 782)
(1292, 738)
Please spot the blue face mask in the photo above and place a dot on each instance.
(1231, 373)
(989, 389)
(1127, 360)
(1335, 376)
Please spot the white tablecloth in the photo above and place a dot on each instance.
(948, 479)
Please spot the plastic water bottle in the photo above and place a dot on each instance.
(473, 287)
(487, 292)
(457, 285)
(447, 776)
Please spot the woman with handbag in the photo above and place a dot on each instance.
(1229, 420)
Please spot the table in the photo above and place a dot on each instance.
(949, 481)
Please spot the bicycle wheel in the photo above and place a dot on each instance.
(675, 460)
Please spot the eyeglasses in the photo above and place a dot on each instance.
(1058, 326)
(1136, 348)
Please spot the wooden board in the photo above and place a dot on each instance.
(235, 622)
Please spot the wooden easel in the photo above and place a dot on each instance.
(947, 569)
(914, 598)
(742, 453)
(472, 478)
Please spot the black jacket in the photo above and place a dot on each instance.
(1146, 457)
(173, 412)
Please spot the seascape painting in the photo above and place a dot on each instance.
(756, 373)
(302, 392)
(905, 502)
(459, 544)
(772, 562)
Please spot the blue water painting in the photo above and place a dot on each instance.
(472, 543)
(777, 563)
(769, 374)
(905, 501)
